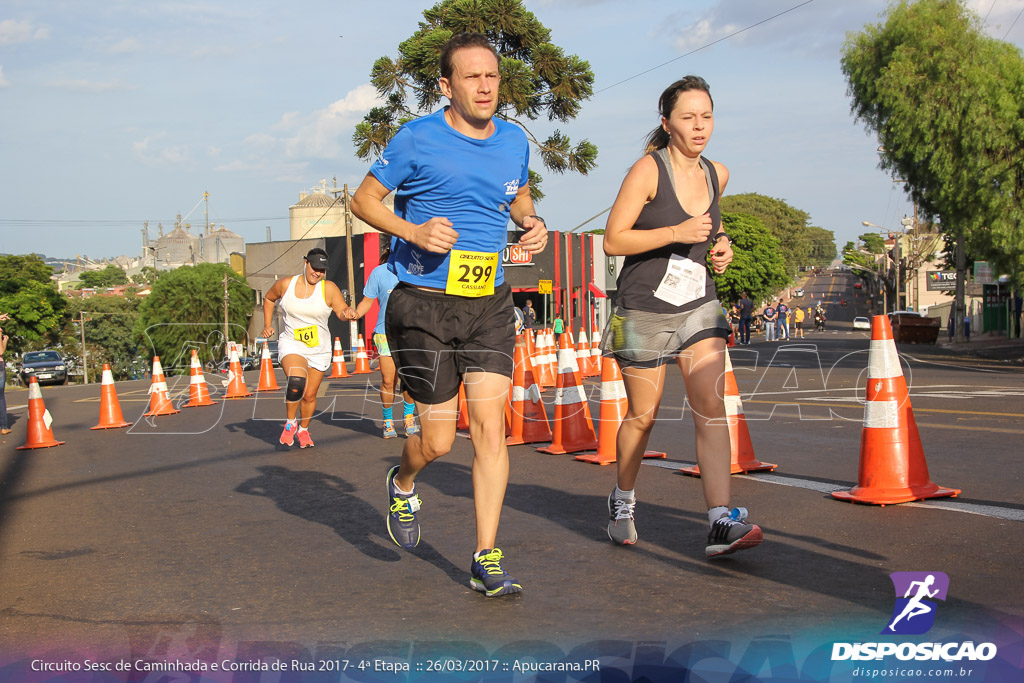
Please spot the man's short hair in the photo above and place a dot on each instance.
(460, 41)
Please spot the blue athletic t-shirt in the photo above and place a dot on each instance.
(378, 286)
(437, 171)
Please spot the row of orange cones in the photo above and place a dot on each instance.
(892, 463)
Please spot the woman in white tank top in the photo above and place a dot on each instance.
(304, 345)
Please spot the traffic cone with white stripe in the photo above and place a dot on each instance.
(613, 411)
(573, 428)
(268, 382)
(583, 356)
(892, 464)
(529, 419)
(198, 392)
(741, 455)
(463, 420)
(595, 349)
(39, 420)
(362, 360)
(111, 416)
(236, 380)
(338, 369)
(159, 400)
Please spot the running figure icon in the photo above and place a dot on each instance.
(915, 607)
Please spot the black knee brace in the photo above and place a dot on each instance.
(296, 388)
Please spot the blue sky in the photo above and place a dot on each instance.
(115, 112)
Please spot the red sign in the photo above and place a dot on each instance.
(514, 255)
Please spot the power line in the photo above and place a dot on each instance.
(704, 47)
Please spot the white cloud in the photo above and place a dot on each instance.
(150, 152)
(125, 47)
(213, 51)
(13, 31)
(4, 83)
(83, 85)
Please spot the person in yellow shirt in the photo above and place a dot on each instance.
(798, 314)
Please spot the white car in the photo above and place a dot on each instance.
(861, 323)
(798, 293)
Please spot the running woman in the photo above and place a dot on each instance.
(459, 175)
(378, 288)
(304, 345)
(666, 222)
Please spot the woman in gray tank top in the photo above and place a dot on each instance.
(667, 224)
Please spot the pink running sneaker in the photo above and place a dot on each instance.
(305, 440)
(288, 435)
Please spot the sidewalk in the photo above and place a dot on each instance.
(992, 346)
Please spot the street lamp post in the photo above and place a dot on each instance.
(896, 261)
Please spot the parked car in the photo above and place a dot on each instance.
(272, 345)
(247, 363)
(861, 323)
(48, 367)
(798, 293)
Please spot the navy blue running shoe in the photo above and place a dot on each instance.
(489, 578)
(402, 507)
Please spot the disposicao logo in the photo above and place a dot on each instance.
(914, 614)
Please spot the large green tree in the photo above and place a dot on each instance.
(31, 299)
(800, 243)
(185, 310)
(537, 80)
(758, 267)
(947, 104)
(110, 337)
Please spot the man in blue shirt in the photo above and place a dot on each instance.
(459, 175)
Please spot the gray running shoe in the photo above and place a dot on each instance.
(402, 507)
(620, 520)
(730, 533)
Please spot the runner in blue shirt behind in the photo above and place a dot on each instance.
(459, 176)
(378, 288)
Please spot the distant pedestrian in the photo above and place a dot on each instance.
(4, 428)
(769, 315)
(783, 320)
(798, 324)
(746, 307)
(559, 324)
(529, 315)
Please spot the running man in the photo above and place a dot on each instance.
(459, 175)
(378, 288)
(304, 345)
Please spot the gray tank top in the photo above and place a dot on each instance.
(642, 273)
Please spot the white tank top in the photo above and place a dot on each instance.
(312, 311)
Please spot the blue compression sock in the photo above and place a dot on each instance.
(408, 409)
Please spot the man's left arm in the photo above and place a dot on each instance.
(536, 236)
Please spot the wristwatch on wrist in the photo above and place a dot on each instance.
(720, 235)
(538, 218)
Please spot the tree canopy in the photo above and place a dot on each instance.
(30, 298)
(947, 104)
(801, 244)
(757, 267)
(109, 335)
(185, 310)
(108, 277)
(537, 79)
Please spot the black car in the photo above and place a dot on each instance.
(48, 367)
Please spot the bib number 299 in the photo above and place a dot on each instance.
(471, 273)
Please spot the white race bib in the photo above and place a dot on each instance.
(684, 281)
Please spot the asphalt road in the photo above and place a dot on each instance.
(198, 535)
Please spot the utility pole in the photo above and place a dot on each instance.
(226, 298)
(85, 358)
(348, 247)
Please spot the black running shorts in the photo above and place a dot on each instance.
(436, 338)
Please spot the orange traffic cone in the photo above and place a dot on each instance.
(546, 363)
(236, 380)
(613, 412)
(111, 416)
(268, 382)
(583, 356)
(198, 392)
(159, 401)
(595, 349)
(39, 420)
(741, 455)
(529, 418)
(362, 360)
(892, 465)
(573, 429)
(338, 369)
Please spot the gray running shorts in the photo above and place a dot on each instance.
(638, 339)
